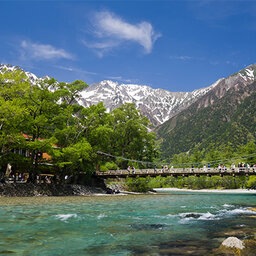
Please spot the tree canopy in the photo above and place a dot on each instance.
(46, 118)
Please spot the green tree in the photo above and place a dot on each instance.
(248, 150)
(41, 104)
(131, 138)
(74, 158)
(196, 156)
(181, 160)
(212, 154)
(13, 87)
(70, 92)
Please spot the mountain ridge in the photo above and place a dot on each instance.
(158, 105)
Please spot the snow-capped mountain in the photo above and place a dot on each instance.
(157, 104)
(160, 105)
(32, 77)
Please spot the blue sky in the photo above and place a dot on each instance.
(174, 45)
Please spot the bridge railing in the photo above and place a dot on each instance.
(177, 171)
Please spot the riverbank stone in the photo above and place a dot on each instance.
(248, 245)
(233, 242)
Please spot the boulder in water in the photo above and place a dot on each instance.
(192, 215)
(233, 242)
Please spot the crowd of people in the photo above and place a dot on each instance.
(240, 166)
(208, 167)
(17, 177)
(23, 178)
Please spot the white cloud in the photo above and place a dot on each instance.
(76, 70)
(114, 30)
(181, 57)
(80, 71)
(101, 47)
(43, 51)
(214, 62)
(121, 79)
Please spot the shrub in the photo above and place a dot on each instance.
(251, 182)
(103, 168)
(111, 166)
(108, 166)
(137, 184)
(191, 182)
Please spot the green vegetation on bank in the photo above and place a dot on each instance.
(191, 182)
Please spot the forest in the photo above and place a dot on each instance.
(44, 130)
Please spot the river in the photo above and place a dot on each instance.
(164, 224)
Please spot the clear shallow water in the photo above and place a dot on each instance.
(170, 224)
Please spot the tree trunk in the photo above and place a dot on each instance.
(7, 172)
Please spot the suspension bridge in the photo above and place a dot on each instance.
(175, 172)
(182, 170)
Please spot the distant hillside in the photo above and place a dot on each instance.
(225, 114)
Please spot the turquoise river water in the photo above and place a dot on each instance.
(163, 224)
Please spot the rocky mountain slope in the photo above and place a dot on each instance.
(224, 114)
(157, 104)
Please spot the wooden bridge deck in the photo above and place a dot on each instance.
(177, 172)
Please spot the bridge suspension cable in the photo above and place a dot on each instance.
(178, 164)
(131, 160)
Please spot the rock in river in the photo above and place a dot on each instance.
(233, 242)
